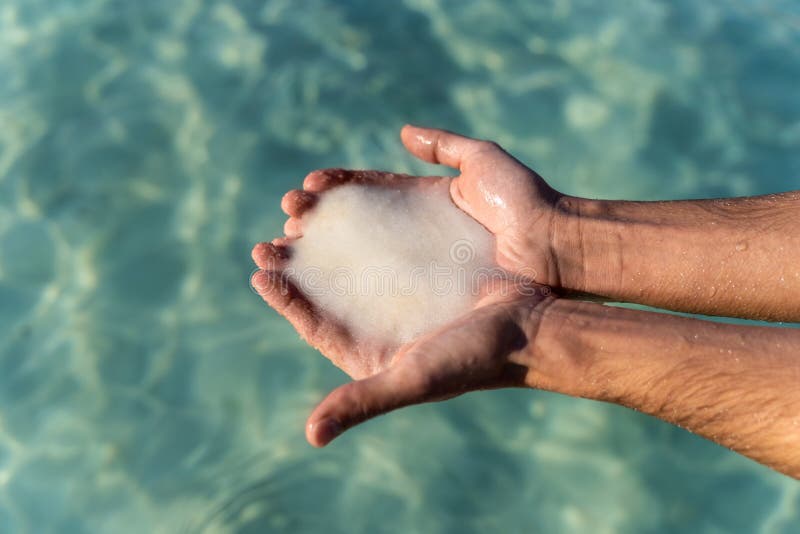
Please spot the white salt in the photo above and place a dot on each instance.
(391, 263)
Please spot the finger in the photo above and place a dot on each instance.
(321, 180)
(443, 147)
(284, 242)
(270, 257)
(296, 202)
(325, 179)
(319, 331)
(285, 298)
(358, 401)
(293, 228)
(280, 293)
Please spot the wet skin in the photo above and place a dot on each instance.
(736, 385)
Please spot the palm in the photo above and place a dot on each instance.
(358, 359)
(473, 352)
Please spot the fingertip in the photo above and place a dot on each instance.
(416, 140)
(354, 403)
(293, 228)
(286, 201)
(320, 433)
(320, 180)
(271, 287)
(409, 130)
(269, 256)
(282, 242)
(296, 202)
(260, 253)
(261, 281)
(314, 180)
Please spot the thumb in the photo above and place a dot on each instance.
(358, 401)
(442, 147)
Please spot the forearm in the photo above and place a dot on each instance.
(735, 257)
(736, 385)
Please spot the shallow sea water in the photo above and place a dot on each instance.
(144, 146)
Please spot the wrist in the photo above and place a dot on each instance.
(555, 358)
(587, 243)
(584, 349)
(567, 243)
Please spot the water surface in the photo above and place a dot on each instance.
(144, 147)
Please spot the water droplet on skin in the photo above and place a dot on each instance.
(712, 291)
(741, 246)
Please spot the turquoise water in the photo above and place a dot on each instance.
(144, 146)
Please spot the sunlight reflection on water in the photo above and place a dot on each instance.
(144, 148)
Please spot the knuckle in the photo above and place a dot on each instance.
(421, 383)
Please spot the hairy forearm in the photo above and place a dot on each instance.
(736, 385)
(734, 257)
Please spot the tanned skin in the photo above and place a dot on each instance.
(736, 385)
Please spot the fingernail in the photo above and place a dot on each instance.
(327, 430)
(417, 127)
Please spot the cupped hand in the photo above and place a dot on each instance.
(512, 201)
(485, 348)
